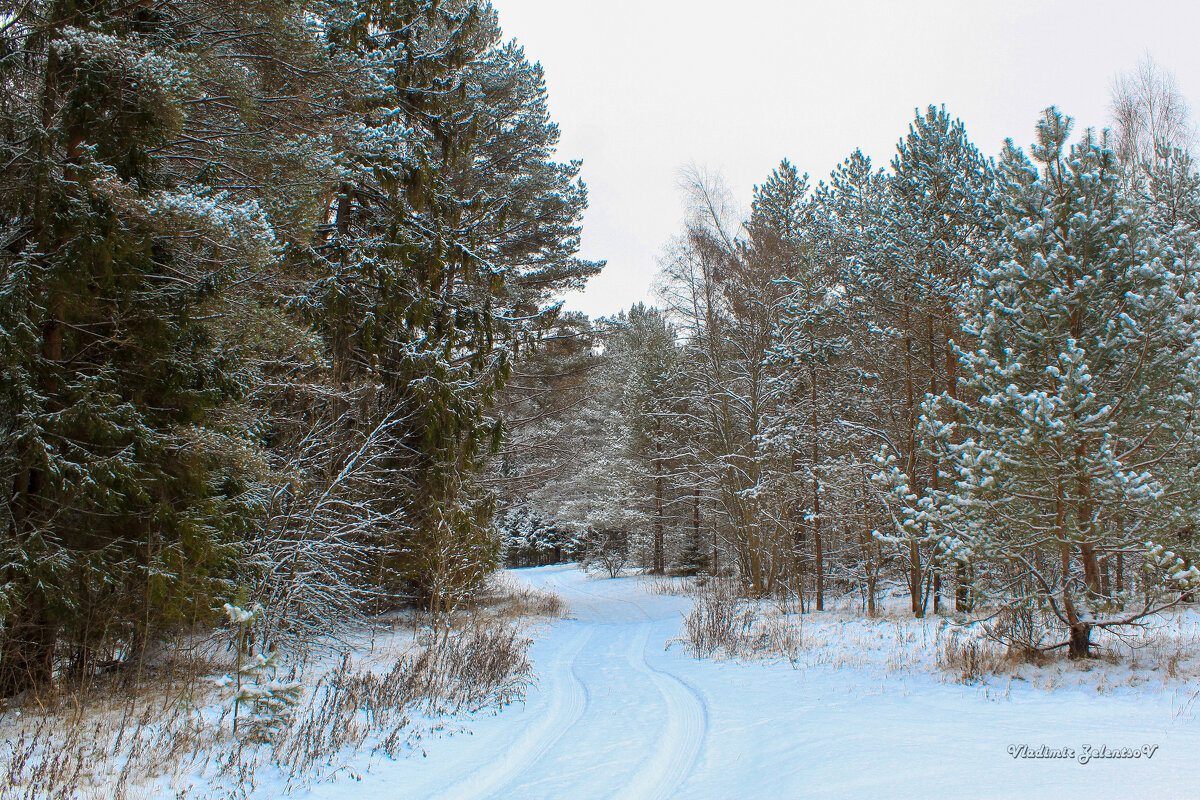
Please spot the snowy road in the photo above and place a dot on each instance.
(616, 714)
(601, 678)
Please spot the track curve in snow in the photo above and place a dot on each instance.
(568, 700)
(679, 745)
(562, 750)
(614, 715)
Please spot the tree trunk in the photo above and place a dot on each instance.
(934, 466)
(910, 468)
(914, 579)
(865, 540)
(961, 598)
(1091, 568)
(818, 551)
(816, 484)
(659, 566)
(1080, 631)
(712, 562)
(960, 588)
(820, 567)
(1080, 641)
(27, 657)
(796, 517)
(1087, 547)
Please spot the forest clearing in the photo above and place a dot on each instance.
(338, 457)
(825, 705)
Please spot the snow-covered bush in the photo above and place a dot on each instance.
(608, 550)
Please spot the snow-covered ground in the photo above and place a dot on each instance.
(619, 712)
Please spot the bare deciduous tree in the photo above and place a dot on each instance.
(1149, 113)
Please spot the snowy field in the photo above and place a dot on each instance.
(619, 711)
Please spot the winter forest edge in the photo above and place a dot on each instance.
(286, 364)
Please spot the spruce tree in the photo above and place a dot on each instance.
(645, 355)
(451, 224)
(123, 517)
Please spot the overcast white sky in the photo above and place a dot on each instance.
(642, 87)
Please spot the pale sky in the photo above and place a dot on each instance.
(641, 88)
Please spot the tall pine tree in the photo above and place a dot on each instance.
(1080, 397)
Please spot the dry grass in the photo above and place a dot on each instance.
(174, 738)
(108, 752)
(1164, 652)
(722, 621)
(676, 586)
(1167, 648)
(973, 659)
(353, 708)
(507, 600)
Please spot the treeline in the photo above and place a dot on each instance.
(971, 380)
(263, 267)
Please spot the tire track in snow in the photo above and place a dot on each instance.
(568, 700)
(682, 739)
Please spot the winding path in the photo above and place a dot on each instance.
(615, 714)
(650, 750)
(568, 700)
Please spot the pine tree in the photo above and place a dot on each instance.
(1079, 398)
(934, 230)
(785, 227)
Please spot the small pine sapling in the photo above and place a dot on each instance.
(269, 701)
